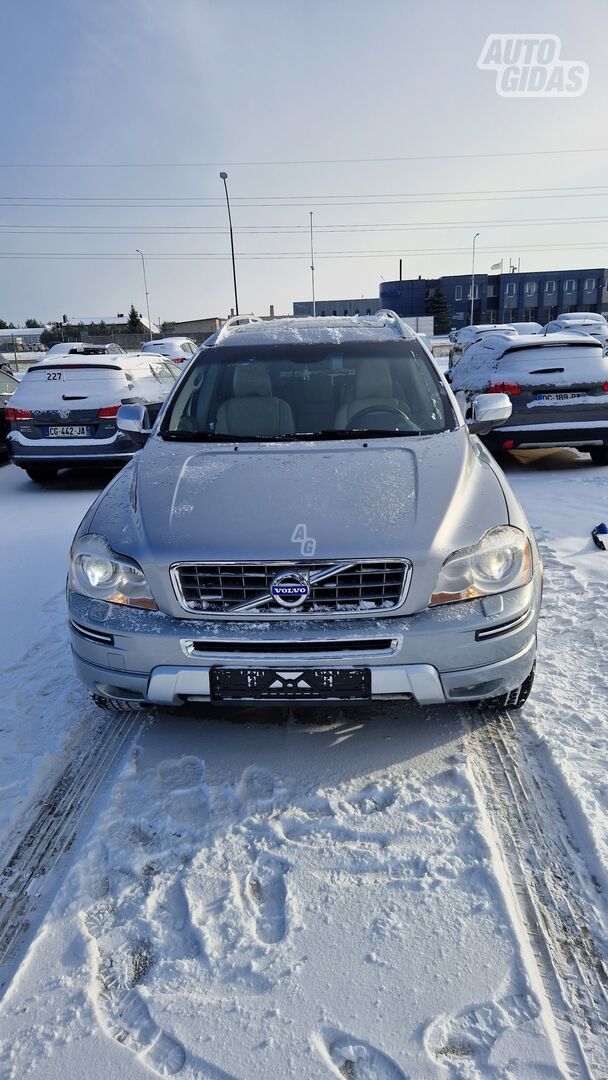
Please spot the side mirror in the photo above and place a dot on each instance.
(134, 421)
(489, 411)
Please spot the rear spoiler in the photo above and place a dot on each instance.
(545, 342)
(74, 367)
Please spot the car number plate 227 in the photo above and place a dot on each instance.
(68, 431)
(295, 684)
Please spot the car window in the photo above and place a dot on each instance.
(383, 388)
(163, 372)
(7, 385)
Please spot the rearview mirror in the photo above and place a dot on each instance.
(489, 411)
(134, 421)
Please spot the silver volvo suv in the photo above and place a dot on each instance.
(309, 520)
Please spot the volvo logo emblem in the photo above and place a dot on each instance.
(290, 589)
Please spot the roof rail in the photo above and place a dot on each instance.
(233, 322)
(386, 313)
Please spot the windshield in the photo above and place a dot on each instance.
(316, 391)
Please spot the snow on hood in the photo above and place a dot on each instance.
(415, 498)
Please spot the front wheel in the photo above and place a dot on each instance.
(514, 699)
(42, 474)
(599, 454)
(117, 705)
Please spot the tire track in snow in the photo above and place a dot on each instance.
(32, 873)
(559, 901)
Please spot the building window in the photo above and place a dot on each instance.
(530, 288)
(589, 284)
(491, 290)
(549, 287)
(458, 292)
(475, 292)
(510, 288)
(569, 285)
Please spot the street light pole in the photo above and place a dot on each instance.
(312, 267)
(473, 277)
(143, 266)
(224, 177)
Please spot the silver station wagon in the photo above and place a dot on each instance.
(309, 520)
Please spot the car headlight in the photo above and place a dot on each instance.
(501, 560)
(98, 572)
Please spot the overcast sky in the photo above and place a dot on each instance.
(168, 92)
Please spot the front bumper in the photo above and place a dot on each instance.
(461, 652)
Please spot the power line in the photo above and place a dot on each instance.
(294, 161)
(271, 255)
(284, 230)
(395, 201)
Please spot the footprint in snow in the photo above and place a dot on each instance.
(183, 772)
(256, 786)
(471, 1035)
(265, 898)
(372, 798)
(184, 794)
(357, 1060)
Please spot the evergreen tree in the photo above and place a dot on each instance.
(438, 307)
(32, 323)
(3, 325)
(134, 324)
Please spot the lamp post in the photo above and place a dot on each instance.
(143, 266)
(224, 177)
(473, 277)
(312, 268)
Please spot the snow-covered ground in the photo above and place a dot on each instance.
(246, 896)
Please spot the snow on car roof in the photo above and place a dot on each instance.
(317, 330)
(499, 344)
(485, 357)
(65, 359)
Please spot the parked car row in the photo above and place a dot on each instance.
(584, 322)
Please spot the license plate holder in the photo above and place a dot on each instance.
(68, 431)
(566, 395)
(290, 684)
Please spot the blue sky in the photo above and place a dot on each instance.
(175, 85)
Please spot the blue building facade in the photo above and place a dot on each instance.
(534, 296)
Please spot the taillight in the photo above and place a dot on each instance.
(18, 414)
(605, 386)
(107, 414)
(512, 389)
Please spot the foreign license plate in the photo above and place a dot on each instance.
(295, 684)
(68, 431)
(566, 396)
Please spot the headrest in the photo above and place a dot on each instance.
(251, 380)
(373, 380)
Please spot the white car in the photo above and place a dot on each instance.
(577, 316)
(82, 348)
(63, 413)
(527, 327)
(594, 326)
(178, 349)
(471, 334)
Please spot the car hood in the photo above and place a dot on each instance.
(418, 499)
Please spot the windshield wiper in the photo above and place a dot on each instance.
(358, 433)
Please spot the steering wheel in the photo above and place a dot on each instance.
(374, 410)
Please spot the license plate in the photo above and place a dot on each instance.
(295, 684)
(68, 431)
(566, 396)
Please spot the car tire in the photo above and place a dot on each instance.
(117, 705)
(514, 699)
(599, 454)
(42, 474)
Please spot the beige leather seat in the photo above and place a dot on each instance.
(253, 410)
(373, 389)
